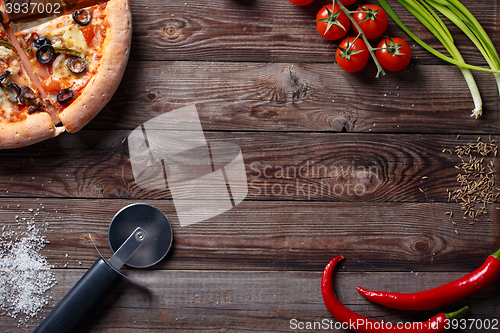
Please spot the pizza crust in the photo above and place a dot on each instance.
(100, 89)
(35, 128)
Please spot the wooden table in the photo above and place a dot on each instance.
(263, 79)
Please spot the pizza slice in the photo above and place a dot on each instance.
(23, 114)
(80, 58)
(60, 70)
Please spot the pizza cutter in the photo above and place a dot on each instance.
(140, 235)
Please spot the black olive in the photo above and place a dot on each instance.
(82, 17)
(65, 95)
(77, 65)
(14, 86)
(3, 78)
(41, 41)
(45, 54)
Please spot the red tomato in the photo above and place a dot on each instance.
(352, 54)
(373, 23)
(393, 54)
(332, 23)
(301, 2)
(347, 2)
(51, 85)
(89, 32)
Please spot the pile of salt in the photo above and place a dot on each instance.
(25, 274)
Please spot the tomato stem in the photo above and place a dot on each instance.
(332, 19)
(392, 47)
(380, 70)
(347, 52)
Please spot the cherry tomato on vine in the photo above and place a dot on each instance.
(301, 2)
(347, 2)
(393, 54)
(373, 22)
(352, 54)
(331, 22)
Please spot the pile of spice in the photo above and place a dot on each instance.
(25, 274)
(476, 178)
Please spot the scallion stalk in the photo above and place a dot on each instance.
(463, 19)
(424, 13)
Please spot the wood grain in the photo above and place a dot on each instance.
(302, 97)
(262, 78)
(215, 301)
(278, 235)
(279, 166)
(270, 31)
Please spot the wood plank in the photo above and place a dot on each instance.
(215, 301)
(302, 97)
(279, 166)
(286, 236)
(271, 31)
(267, 82)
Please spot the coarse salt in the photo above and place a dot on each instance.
(25, 274)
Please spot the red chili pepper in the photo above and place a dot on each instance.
(360, 324)
(446, 294)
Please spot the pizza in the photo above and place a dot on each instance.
(58, 71)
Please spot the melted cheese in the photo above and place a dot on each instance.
(6, 53)
(8, 107)
(71, 39)
(74, 40)
(61, 73)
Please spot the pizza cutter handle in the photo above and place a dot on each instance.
(90, 290)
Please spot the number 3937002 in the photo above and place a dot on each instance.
(32, 8)
(470, 323)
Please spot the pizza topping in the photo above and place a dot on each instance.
(89, 32)
(29, 97)
(6, 44)
(27, 94)
(41, 41)
(68, 51)
(71, 41)
(3, 78)
(14, 86)
(6, 52)
(45, 54)
(65, 95)
(77, 65)
(24, 95)
(74, 40)
(51, 85)
(82, 17)
(34, 108)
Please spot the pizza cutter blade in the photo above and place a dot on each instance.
(140, 235)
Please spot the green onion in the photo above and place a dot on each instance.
(424, 13)
(462, 18)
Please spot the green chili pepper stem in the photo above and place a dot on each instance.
(453, 315)
(380, 70)
(496, 255)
